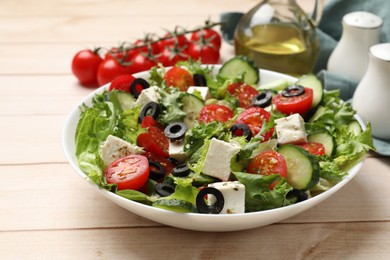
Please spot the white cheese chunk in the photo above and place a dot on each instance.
(234, 195)
(148, 95)
(114, 148)
(217, 161)
(291, 130)
(204, 91)
(176, 150)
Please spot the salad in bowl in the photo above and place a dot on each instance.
(216, 148)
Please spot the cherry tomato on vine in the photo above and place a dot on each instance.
(129, 172)
(214, 112)
(205, 52)
(85, 65)
(267, 163)
(243, 92)
(295, 104)
(171, 55)
(179, 40)
(209, 35)
(254, 117)
(179, 78)
(142, 62)
(110, 69)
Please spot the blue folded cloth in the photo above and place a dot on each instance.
(329, 32)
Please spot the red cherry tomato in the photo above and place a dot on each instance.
(314, 148)
(122, 83)
(297, 104)
(154, 140)
(85, 66)
(253, 117)
(130, 172)
(215, 112)
(209, 35)
(110, 69)
(171, 55)
(179, 40)
(179, 78)
(267, 163)
(142, 62)
(206, 53)
(243, 92)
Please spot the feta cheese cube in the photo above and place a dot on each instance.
(204, 91)
(217, 161)
(176, 150)
(114, 148)
(148, 95)
(291, 130)
(234, 195)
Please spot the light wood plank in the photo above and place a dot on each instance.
(281, 241)
(53, 196)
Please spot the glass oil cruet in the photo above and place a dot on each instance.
(279, 36)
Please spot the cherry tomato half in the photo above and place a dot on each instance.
(215, 112)
(267, 163)
(121, 83)
(85, 66)
(253, 117)
(243, 92)
(296, 104)
(154, 140)
(314, 148)
(179, 78)
(129, 172)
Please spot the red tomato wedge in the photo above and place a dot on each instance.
(154, 140)
(243, 92)
(122, 83)
(267, 163)
(179, 78)
(297, 104)
(215, 112)
(254, 117)
(314, 148)
(130, 172)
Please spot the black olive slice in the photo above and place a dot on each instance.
(138, 82)
(241, 130)
(199, 80)
(164, 189)
(203, 207)
(293, 91)
(151, 108)
(175, 131)
(264, 99)
(157, 170)
(181, 170)
(299, 194)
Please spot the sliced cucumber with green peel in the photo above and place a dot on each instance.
(241, 65)
(326, 139)
(277, 85)
(123, 99)
(311, 81)
(303, 169)
(355, 128)
(174, 205)
(191, 106)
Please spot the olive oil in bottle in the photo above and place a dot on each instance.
(278, 47)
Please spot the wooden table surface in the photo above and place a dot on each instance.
(48, 212)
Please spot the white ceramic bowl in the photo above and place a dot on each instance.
(195, 221)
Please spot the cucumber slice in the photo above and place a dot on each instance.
(123, 99)
(311, 81)
(241, 65)
(174, 205)
(277, 85)
(191, 106)
(303, 169)
(327, 140)
(355, 128)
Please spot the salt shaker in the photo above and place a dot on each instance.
(361, 30)
(371, 99)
